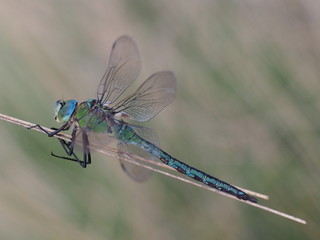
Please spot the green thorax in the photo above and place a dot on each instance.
(95, 118)
(98, 119)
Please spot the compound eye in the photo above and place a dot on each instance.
(57, 107)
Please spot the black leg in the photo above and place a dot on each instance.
(75, 159)
(68, 147)
(86, 150)
(63, 128)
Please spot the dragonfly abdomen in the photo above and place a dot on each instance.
(191, 172)
(204, 177)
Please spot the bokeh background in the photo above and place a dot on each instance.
(247, 111)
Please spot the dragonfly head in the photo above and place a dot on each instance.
(64, 109)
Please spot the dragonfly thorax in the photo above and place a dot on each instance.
(64, 109)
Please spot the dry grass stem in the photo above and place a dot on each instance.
(137, 160)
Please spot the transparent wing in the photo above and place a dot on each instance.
(99, 121)
(124, 67)
(135, 172)
(96, 140)
(154, 94)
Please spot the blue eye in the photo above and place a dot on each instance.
(57, 107)
(63, 110)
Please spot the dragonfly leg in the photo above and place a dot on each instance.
(57, 130)
(86, 150)
(67, 148)
(75, 159)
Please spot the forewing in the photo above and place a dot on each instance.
(124, 67)
(96, 140)
(136, 172)
(154, 94)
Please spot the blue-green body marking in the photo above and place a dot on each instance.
(104, 116)
(128, 135)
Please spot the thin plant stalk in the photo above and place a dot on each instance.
(142, 162)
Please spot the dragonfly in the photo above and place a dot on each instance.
(101, 120)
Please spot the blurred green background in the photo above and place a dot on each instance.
(247, 111)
